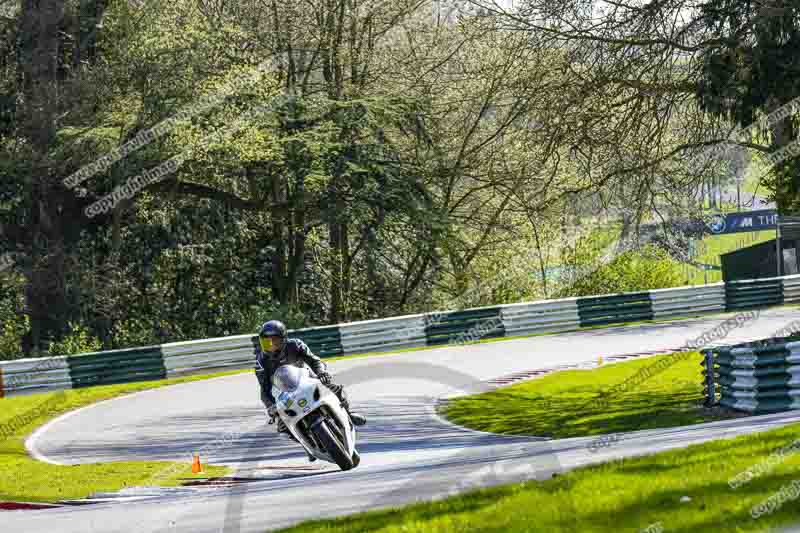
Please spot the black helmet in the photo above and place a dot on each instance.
(273, 328)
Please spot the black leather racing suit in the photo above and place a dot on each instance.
(293, 352)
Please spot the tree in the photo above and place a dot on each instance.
(751, 72)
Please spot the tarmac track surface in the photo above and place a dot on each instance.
(408, 453)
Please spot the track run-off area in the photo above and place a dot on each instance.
(409, 453)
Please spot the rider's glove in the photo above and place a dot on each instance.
(325, 378)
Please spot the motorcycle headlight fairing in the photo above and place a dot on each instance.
(287, 378)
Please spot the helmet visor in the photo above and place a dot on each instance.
(266, 343)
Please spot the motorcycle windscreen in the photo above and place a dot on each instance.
(287, 378)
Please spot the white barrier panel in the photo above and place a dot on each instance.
(688, 300)
(743, 382)
(540, 317)
(739, 404)
(383, 335)
(226, 353)
(30, 376)
(791, 289)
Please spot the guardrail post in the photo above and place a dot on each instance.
(709, 389)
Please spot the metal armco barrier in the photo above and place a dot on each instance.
(373, 336)
(464, 326)
(117, 366)
(549, 316)
(748, 294)
(791, 289)
(325, 341)
(223, 353)
(686, 300)
(27, 376)
(756, 377)
(614, 309)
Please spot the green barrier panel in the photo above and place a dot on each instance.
(614, 308)
(740, 304)
(119, 366)
(152, 373)
(589, 313)
(632, 297)
(740, 295)
(324, 341)
(459, 327)
(467, 314)
(762, 406)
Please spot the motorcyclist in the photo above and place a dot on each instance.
(275, 349)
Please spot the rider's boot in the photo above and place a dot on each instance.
(355, 418)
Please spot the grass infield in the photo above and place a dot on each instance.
(688, 490)
(647, 393)
(23, 478)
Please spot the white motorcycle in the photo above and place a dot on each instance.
(315, 416)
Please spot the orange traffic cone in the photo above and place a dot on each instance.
(197, 468)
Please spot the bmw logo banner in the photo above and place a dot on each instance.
(765, 219)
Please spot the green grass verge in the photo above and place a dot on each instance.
(621, 496)
(23, 478)
(565, 404)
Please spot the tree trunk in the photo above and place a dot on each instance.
(335, 241)
(541, 258)
(279, 240)
(39, 48)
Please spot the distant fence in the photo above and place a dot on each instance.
(412, 331)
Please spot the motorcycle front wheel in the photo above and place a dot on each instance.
(332, 445)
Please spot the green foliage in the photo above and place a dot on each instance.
(11, 331)
(371, 185)
(755, 39)
(13, 324)
(634, 270)
(78, 340)
(133, 331)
